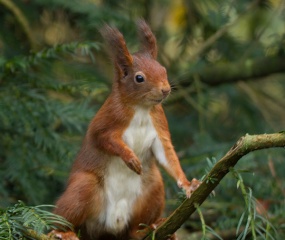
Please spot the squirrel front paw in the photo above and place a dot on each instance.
(63, 235)
(134, 164)
(189, 187)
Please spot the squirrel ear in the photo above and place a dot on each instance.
(148, 40)
(118, 50)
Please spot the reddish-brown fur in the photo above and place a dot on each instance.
(85, 196)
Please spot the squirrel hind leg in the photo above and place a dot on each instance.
(81, 200)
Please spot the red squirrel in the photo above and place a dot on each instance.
(115, 184)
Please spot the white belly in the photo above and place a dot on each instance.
(122, 185)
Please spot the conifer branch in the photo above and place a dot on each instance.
(243, 146)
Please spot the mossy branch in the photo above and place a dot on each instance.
(38, 236)
(243, 146)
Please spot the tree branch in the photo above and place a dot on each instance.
(38, 236)
(243, 146)
(232, 72)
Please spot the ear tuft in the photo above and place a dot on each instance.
(118, 50)
(147, 38)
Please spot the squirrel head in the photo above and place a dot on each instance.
(139, 78)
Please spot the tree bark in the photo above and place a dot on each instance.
(244, 145)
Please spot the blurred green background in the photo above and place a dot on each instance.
(225, 61)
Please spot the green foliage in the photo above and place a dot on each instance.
(40, 118)
(20, 221)
(25, 63)
(54, 76)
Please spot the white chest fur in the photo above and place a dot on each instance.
(140, 134)
(122, 185)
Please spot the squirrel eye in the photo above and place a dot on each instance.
(139, 78)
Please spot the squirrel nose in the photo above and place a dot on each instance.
(165, 92)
